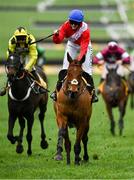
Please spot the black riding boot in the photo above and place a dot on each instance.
(61, 77)
(90, 86)
(58, 86)
(37, 88)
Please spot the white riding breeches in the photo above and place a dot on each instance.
(73, 50)
(120, 70)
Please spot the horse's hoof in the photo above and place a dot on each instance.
(19, 149)
(68, 162)
(86, 158)
(113, 132)
(44, 144)
(120, 133)
(77, 163)
(29, 152)
(12, 139)
(58, 157)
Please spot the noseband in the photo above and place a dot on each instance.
(76, 83)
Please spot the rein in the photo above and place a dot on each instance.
(21, 77)
(31, 85)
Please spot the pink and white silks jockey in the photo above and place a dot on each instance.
(111, 56)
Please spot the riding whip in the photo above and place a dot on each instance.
(42, 39)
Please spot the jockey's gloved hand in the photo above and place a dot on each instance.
(56, 32)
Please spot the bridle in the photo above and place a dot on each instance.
(74, 82)
(19, 74)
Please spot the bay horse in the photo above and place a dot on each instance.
(131, 88)
(22, 103)
(73, 108)
(115, 95)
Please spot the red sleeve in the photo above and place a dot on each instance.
(85, 39)
(60, 37)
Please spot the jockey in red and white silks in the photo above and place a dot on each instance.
(78, 44)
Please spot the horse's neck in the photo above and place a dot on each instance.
(20, 87)
(113, 79)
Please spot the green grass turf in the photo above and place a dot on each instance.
(19, 3)
(56, 2)
(115, 154)
(79, 2)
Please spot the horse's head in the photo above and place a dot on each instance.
(13, 65)
(112, 76)
(74, 76)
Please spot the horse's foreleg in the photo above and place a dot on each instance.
(67, 146)
(122, 109)
(110, 114)
(61, 135)
(85, 140)
(77, 146)
(30, 120)
(19, 147)
(44, 143)
(11, 121)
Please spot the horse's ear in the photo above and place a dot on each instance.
(116, 67)
(69, 58)
(82, 59)
(107, 67)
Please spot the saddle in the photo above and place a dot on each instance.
(101, 87)
(40, 86)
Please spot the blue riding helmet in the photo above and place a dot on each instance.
(76, 15)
